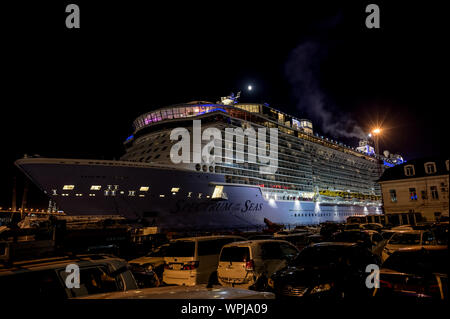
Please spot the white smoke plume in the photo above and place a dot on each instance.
(302, 70)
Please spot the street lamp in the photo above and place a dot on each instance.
(375, 133)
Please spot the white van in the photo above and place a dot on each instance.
(191, 261)
(249, 264)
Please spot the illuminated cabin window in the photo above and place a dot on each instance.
(162, 195)
(218, 192)
(79, 195)
(92, 195)
(95, 187)
(144, 188)
(175, 189)
(68, 187)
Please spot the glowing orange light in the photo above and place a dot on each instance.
(376, 131)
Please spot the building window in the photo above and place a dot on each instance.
(68, 187)
(393, 195)
(144, 189)
(409, 170)
(424, 195)
(412, 194)
(444, 190)
(96, 187)
(430, 168)
(434, 192)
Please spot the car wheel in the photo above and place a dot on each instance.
(213, 280)
(261, 283)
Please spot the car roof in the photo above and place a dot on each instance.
(184, 292)
(332, 243)
(418, 248)
(54, 262)
(255, 242)
(209, 237)
(411, 231)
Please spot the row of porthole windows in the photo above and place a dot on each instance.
(204, 168)
(312, 215)
(321, 215)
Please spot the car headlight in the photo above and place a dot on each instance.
(320, 288)
(270, 282)
(148, 266)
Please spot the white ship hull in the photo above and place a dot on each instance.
(191, 207)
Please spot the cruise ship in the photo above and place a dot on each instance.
(316, 179)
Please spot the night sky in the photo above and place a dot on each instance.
(74, 93)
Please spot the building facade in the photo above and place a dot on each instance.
(416, 191)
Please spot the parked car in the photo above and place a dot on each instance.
(262, 236)
(314, 239)
(185, 292)
(290, 232)
(45, 278)
(299, 240)
(370, 239)
(327, 229)
(191, 261)
(249, 264)
(415, 272)
(325, 270)
(402, 227)
(410, 238)
(388, 233)
(372, 226)
(440, 230)
(147, 267)
(353, 226)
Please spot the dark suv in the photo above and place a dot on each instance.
(325, 270)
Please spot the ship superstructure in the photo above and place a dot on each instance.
(316, 179)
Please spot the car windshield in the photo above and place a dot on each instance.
(405, 239)
(350, 237)
(387, 235)
(235, 254)
(181, 248)
(423, 261)
(158, 252)
(319, 256)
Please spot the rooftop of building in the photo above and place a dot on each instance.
(399, 172)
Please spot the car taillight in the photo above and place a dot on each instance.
(191, 265)
(434, 289)
(249, 265)
(385, 284)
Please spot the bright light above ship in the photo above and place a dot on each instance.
(249, 87)
(370, 135)
(376, 131)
